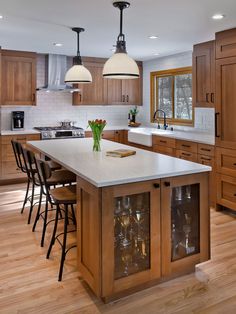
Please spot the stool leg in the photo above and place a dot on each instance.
(38, 211)
(63, 252)
(44, 223)
(26, 196)
(54, 232)
(31, 203)
(73, 215)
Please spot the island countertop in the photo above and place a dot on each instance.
(100, 170)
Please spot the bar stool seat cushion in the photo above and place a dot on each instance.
(64, 195)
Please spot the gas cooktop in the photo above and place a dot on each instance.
(57, 132)
(57, 128)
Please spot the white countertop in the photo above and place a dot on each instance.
(101, 170)
(9, 132)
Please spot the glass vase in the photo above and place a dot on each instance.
(96, 141)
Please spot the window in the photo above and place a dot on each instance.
(171, 91)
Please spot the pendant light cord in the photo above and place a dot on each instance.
(77, 60)
(121, 36)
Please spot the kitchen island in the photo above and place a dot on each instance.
(141, 219)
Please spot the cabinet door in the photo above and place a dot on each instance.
(131, 236)
(18, 78)
(185, 221)
(204, 74)
(226, 102)
(94, 93)
(114, 92)
(226, 44)
(132, 90)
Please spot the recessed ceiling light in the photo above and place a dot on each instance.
(153, 37)
(57, 44)
(1, 16)
(157, 54)
(218, 16)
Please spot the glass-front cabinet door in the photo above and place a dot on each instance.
(184, 209)
(131, 235)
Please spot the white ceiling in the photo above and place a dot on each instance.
(35, 25)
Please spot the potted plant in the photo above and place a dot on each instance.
(97, 127)
(132, 114)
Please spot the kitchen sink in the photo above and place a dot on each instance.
(143, 136)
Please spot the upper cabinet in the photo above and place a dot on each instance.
(18, 78)
(108, 91)
(204, 74)
(226, 44)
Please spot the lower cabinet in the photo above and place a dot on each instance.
(9, 169)
(142, 233)
(116, 136)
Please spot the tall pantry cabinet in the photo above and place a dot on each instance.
(225, 118)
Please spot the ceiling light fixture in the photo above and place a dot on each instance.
(1, 16)
(218, 16)
(57, 44)
(157, 54)
(153, 37)
(78, 73)
(120, 65)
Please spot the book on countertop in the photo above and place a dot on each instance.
(121, 153)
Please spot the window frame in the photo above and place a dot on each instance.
(153, 99)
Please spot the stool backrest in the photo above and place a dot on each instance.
(44, 173)
(17, 149)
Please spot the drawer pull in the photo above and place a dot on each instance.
(207, 97)
(167, 184)
(234, 164)
(185, 154)
(156, 185)
(234, 194)
(203, 158)
(205, 149)
(185, 145)
(161, 141)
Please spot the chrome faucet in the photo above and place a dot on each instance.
(164, 114)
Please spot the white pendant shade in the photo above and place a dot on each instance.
(121, 66)
(78, 74)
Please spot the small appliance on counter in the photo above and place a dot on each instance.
(17, 118)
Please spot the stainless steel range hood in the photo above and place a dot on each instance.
(56, 67)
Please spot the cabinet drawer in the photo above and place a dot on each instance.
(10, 167)
(207, 150)
(164, 141)
(108, 135)
(226, 161)
(187, 146)
(186, 155)
(7, 153)
(164, 150)
(206, 160)
(226, 191)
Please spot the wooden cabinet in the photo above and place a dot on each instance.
(18, 78)
(226, 191)
(125, 92)
(186, 150)
(9, 169)
(94, 93)
(131, 239)
(226, 102)
(226, 44)
(115, 136)
(107, 91)
(204, 74)
(164, 145)
(185, 215)
(135, 235)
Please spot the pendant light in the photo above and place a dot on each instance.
(120, 65)
(78, 73)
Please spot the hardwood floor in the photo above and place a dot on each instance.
(28, 281)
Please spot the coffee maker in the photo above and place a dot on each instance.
(17, 120)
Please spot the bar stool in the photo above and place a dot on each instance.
(60, 177)
(65, 196)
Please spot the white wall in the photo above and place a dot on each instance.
(204, 118)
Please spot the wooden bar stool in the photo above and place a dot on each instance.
(65, 196)
(60, 177)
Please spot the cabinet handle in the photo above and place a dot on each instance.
(123, 98)
(185, 154)
(212, 98)
(234, 164)
(127, 98)
(235, 194)
(167, 184)
(156, 185)
(33, 96)
(207, 97)
(161, 141)
(205, 149)
(216, 124)
(185, 145)
(207, 159)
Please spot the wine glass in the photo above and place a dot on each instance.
(139, 218)
(128, 208)
(118, 211)
(125, 222)
(126, 259)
